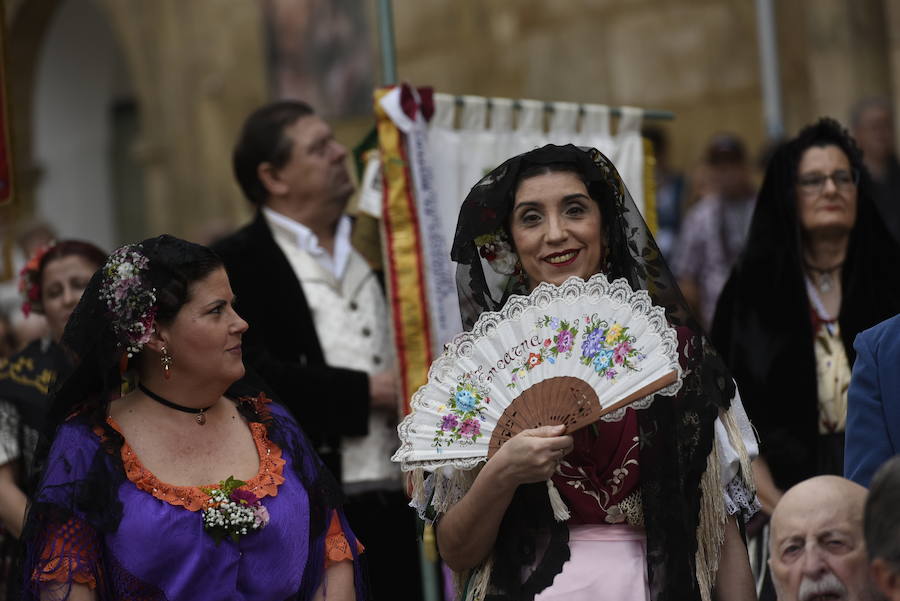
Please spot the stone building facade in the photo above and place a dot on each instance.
(195, 69)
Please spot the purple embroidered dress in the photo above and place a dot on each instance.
(159, 549)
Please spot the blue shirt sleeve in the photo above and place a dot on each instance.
(867, 443)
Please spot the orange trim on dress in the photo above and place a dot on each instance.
(265, 483)
(70, 553)
(337, 547)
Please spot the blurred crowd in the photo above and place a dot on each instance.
(791, 297)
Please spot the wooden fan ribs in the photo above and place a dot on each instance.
(560, 400)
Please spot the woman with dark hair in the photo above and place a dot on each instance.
(192, 486)
(52, 283)
(656, 496)
(818, 268)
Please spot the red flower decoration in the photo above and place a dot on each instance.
(29, 286)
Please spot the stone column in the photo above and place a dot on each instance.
(847, 54)
(198, 70)
(892, 21)
(26, 26)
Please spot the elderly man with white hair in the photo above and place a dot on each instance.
(817, 548)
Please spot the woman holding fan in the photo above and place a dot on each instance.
(655, 498)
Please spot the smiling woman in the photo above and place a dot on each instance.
(638, 530)
(136, 488)
(556, 226)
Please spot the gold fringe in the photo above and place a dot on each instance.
(737, 443)
(477, 578)
(415, 485)
(711, 530)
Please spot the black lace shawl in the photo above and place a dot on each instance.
(26, 379)
(85, 396)
(762, 325)
(677, 434)
(25, 382)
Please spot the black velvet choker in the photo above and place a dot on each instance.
(199, 414)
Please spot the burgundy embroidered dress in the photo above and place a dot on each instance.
(160, 549)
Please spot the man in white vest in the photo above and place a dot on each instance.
(319, 329)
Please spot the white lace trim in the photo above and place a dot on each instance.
(740, 500)
(442, 490)
(9, 432)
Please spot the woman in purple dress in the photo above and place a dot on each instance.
(193, 485)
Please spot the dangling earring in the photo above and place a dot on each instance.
(166, 362)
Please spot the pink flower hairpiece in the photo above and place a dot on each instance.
(29, 280)
(129, 298)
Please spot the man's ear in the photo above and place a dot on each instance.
(157, 340)
(885, 578)
(271, 179)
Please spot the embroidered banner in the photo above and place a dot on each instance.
(404, 257)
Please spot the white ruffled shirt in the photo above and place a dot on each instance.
(306, 240)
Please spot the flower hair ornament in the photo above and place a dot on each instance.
(129, 297)
(496, 249)
(30, 281)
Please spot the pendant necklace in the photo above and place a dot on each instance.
(199, 413)
(824, 277)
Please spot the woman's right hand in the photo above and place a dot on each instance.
(468, 531)
(531, 455)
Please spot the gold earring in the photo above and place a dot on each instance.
(166, 362)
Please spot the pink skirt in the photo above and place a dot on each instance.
(608, 562)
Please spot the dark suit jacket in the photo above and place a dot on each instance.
(873, 402)
(282, 347)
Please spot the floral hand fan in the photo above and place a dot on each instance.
(570, 355)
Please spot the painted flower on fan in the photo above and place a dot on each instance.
(602, 361)
(560, 342)
(612, 335)
(620, 353)
(470, 428)
(611, 374)
(232, 513)
(465, 400)
(593, 342)
(564, 341)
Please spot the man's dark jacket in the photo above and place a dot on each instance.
(282, 347)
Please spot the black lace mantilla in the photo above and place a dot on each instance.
(676, 433)
(85, 395)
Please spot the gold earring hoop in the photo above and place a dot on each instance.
(165, 360)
